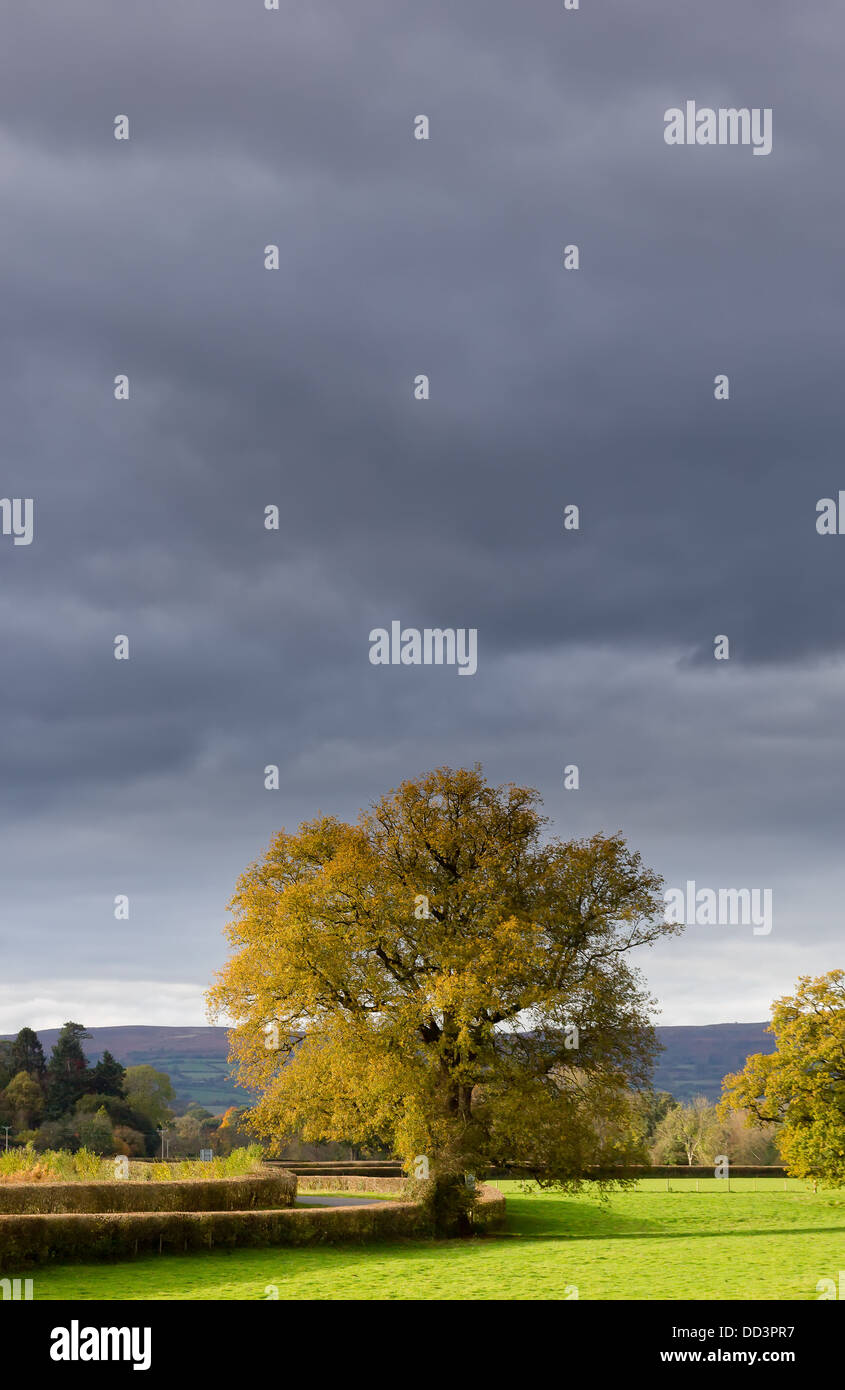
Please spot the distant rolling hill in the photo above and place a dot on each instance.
(695, 1058)
(693, 1063)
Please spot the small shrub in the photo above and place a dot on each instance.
(39, 1173)
(61, 1165)
(16, 1161)
(86, 1164)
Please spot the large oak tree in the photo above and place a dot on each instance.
(445, 978)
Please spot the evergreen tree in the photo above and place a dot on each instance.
(6, 1072)
(27, 1054)
(67, 1071)
(108, 1076)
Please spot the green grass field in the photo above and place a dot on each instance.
(642, 1244)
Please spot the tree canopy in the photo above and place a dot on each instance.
(802, 1083)
(444, 978)
(149, 1092)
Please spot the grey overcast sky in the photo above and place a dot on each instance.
(295, 387)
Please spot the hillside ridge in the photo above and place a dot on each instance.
(693, 1062)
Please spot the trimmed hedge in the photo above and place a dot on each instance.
(320, 1182)
(261, 1190)
(69, 1236)
(683, 1170)
(341, 1169)
(490, 1210)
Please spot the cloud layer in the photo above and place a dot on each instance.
(294, 388)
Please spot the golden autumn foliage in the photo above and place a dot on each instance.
(442, 978)
(801, 1084)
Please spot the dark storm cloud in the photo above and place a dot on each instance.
(294, 388)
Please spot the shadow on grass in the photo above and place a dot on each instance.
(550, 1218)
(554, 1220)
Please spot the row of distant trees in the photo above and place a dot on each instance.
(65, 1103)
(656, 1128)
(697, 1131)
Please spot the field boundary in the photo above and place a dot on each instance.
(258, 1190)
(68, 1237)
(348, 1182)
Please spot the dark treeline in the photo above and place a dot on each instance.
(65, 1103)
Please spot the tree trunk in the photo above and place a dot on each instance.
(450, 1202)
